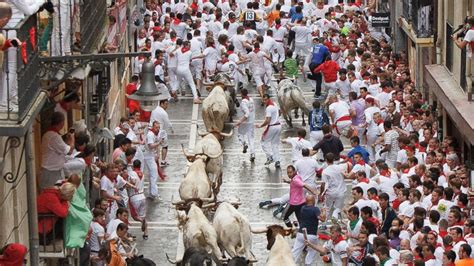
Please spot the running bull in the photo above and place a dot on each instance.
(280, 251)
(233, 232)
(219, 105)
(290, 97)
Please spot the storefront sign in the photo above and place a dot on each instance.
(381, 20)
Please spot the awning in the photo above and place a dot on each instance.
(452, 98)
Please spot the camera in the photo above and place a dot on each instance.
(468, 20)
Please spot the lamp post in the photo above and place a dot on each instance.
(147, 94)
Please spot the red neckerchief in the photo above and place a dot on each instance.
(455, 242)
(63, 105)
(246, 97)
(438, 245)
(277, 26)
(460, 223)
(339, 239)
(230, 52)
(139, 173)
(429, 258)
(361, 162)
(53, 129)
(443, 233)
(385, 173)
(173, 39)
(176, 21)
(364, 180)
(224, 60)
(405, 171)
(88, 161)
(184, 50)
(379, 122)
(374, 221)
(194, 6)
(231, 20)
(269, 102)
(376, 198)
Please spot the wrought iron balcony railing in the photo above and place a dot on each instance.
(419, 13)
(21, 80)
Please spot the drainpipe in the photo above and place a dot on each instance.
(31, 199)
(439, 29)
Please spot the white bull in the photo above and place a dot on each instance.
(218, 107)
(233, 231)
(280, 251)
(196, 184)
(197, 233)
(290, 97)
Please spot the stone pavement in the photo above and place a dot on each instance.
(250, 182)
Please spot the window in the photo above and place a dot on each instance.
(449, 47)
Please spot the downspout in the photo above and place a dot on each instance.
(439, 30)
(31, 200)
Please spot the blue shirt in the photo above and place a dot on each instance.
(358, 148)
(296, 17)
(309, 219)
(319, 54)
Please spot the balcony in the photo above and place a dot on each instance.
(417, 21)
(21, 82)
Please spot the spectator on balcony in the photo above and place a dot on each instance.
(54, 151)
(61, 35)
(53, 200)
(13, 254)
(468, 38)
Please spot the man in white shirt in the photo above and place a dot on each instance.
(336, 246)
(306, 167)
(54, 151)
(153, 141)
(108, 190)
(160, 115)
(302, 35)
(121, 217)
(298, 143)
(246, 124)
(333, 186)
(271, 135)
(339, 112)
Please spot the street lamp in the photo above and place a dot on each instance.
(147, 94)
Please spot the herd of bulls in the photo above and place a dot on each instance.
(228, 239)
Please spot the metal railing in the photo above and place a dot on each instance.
(420, 15)
(92, 15)
(21, 70)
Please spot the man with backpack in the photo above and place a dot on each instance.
(317, 118)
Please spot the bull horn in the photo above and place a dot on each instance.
(208, 84)
(178, 202)
(170, 260)
(185, 152)
(210, 205)
(258, 230)
(202, 134)
(227, 135)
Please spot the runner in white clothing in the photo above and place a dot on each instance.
(183, 71)
(245, 124)
(339, 112)
(271, 135)
(333, 186)
(298, 143)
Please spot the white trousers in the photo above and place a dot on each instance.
(316, 136)
(9, 88)
(371, 138)
(281, 200)
(152, 168)
(271, 142)
(196, 68)
(61, 34)
(246, 135)
(342, 128)
(183, 72)
(173, 79)
(336, 202)
(299, 246)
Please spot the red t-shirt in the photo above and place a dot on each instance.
(329, 70)
(130, 89)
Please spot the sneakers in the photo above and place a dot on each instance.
(264, 203)
(269, 161)
(252, 158)
(279, 210)
(277, 164)
(164, 163)
(245, 148)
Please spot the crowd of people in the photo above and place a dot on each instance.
(410, 190)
